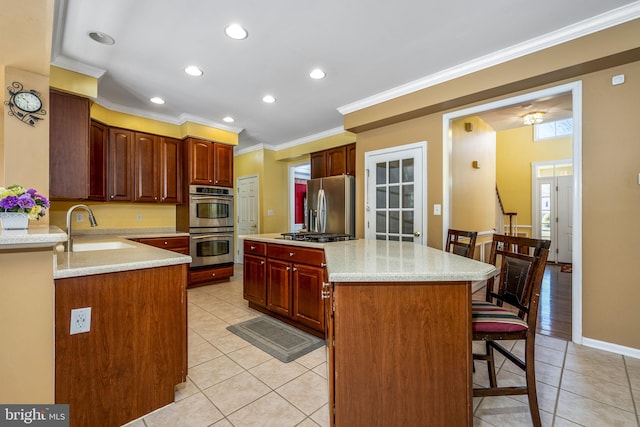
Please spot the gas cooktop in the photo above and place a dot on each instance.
(316, 237)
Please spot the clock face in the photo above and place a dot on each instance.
(27, 101)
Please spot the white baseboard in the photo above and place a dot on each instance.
(612, 348)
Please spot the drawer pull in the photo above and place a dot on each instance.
(213, 274)
(322, 264)
(291, 253)
(166, 243)
(253, 248)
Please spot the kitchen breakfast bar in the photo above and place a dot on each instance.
(398, 325)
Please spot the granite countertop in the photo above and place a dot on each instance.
(39, 236)
(366, 260)
(129, 255)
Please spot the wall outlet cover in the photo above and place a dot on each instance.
(80, 320)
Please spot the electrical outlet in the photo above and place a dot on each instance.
(80, 320)
(79, 217)
(139, 217)
(437, 210)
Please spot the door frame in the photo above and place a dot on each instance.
(420, 145)
(239, 255)
(575, 88)
(292, 191)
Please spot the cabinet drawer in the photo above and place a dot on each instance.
(255, 248)
(297, 254)
(167, 242)
(211, 274)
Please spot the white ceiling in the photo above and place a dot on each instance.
(371, 51)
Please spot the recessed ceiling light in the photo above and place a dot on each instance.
(228, 119)
(194, 71)
(269, 99)
(102, 37)
(157, 100)
(236, 32)
(317, 74)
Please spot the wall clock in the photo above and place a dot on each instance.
(25, 105)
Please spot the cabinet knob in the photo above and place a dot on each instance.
(111, 197)
(261, 262)
(213, 274)
(288, 268)
(166, 243)
(295, 269)
(322, 264)
(253, 248)
(291, 253)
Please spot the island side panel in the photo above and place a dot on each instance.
(130, 361)
(402, 354)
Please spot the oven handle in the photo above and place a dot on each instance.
(212, 197)
(207, 236)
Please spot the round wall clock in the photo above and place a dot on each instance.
(25, 105)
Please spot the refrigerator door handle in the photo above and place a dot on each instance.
(322, 211)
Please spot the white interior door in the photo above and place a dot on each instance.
(394, 193)
(247, 202)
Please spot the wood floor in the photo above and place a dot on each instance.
(554, 317)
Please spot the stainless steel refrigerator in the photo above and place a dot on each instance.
(331, 205)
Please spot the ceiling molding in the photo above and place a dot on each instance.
(310, 138)
(239, 151)
(62, 61)
(589, 26)
(199, 120)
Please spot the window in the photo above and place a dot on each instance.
(549, 130)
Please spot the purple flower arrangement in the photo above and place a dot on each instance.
(19, 199)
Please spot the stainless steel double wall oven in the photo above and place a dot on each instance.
(210, 225)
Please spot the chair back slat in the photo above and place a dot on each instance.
(521, 262)
(461, 242)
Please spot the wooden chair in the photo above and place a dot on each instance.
(461, 243)
(521, 262)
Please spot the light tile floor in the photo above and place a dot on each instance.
(232, 383)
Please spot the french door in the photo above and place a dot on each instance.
(394, 193)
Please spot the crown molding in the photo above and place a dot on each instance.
(310, 138)
(580, 29)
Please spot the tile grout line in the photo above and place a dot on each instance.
(555, 406)
(633, 400)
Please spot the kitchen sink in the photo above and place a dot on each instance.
(100, 246)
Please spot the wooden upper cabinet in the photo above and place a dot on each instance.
(146, 160)
(170, 170)
(209, 163)
(223, 165)
(119, 162)
(351, 159)
(98, 140)
(336, 163)
(318, 164)
(200, 161)
(69, 146)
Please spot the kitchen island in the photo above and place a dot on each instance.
(135, 352)
(398, 324)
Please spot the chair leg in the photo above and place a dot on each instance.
(491, 365)
(531, 383)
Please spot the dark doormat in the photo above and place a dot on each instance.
(280, 340)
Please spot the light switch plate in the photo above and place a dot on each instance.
(437, 209)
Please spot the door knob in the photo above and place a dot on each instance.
(416, 234)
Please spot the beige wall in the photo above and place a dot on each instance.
(473, 189)
(610, 164)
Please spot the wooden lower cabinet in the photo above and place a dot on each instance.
(210, 275)
(178, 244)
(285, 281)
(135, 353)
(399, 354)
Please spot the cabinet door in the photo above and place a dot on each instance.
(200, 158)
(98, 161)
(69, 146)
(146, 161)
(351, 159)
(336, 161)
(170, 170)
(223, 165)
(308, 307)
(120, 153)
(318, 165)
(279, 287)
(255, 279)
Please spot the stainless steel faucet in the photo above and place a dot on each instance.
(92, 221)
